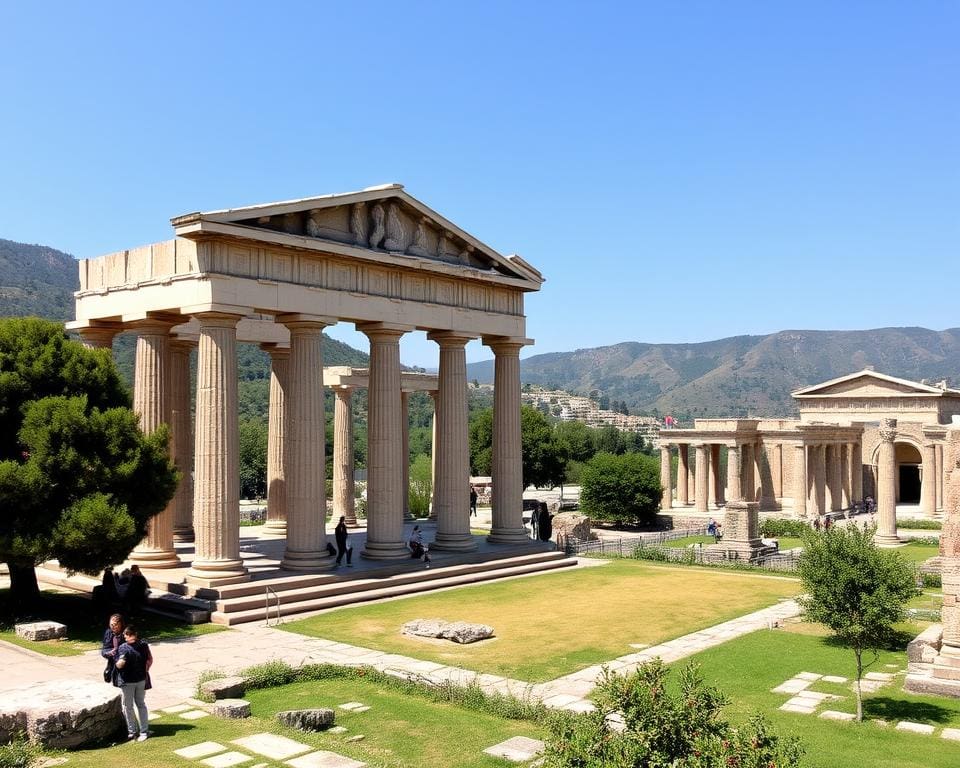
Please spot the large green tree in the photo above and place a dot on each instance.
(253, 459)
(621, 489)
(544, 454)
(855, 588)
(78, 480)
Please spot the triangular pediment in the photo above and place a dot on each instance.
(383, 219)
(869, 384)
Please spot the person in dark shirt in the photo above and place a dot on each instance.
(136, 595)
(133, 663)
(340, 532)
(112, 640)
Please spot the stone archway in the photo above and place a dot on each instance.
(909, 462)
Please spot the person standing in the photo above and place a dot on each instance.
(133, 678)
(112, 640)
(343, 548)
(136, 594)
(473, 501)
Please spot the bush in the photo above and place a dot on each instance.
(931, 580)
(19, 753)
(773, 528)
(920, 525)
(621, 489)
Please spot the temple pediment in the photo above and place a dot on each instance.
(871, 384)
(384, 220)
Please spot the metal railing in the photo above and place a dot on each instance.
(267, 591)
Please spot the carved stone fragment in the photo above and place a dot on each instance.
(376, 237)
(419, 245)
(396, 231)
(358, 223)
(313, 227)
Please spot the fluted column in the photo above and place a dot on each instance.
(405, 423)
(734, 490)
(800, 480)
(746, 472)
(832, 467)
(344, 492)
(666, 495)
(941, 477)
(717, 481)
(887, 484)
(819, 498)
(151, 382)
(712, 466)
(384, 450)
(776, 470)
(856, 471)
(181, 425)
(683, 474)
(435, 396)
(453, 454)
(844, 451)
(304, 472)
(702, 478)
(507, 500)
(216, 492)
(928, 480)
(277, 443)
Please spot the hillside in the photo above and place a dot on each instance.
(36, 280)
(741, 375)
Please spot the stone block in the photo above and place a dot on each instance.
(951, 733)
(225, 687)
(323, 759)
(519, 749)
(272, 746)
(922, 728)
(41, 630)
(203, 749)
(458, 631)
(926, 643)
(832, 714)
(930, 685)
(61, 714)
(568, 525)
(231, 709)
(307, 719)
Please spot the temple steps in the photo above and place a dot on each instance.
(300, 598)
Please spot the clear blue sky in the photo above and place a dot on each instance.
(678, 171)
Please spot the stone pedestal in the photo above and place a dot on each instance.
(741, 530)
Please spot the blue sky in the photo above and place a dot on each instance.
(678, 171)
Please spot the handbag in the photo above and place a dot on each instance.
(108, 673)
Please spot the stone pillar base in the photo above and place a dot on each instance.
(886, 540)
(454, 542)
(385, 551)
(155, 558)
(508, 535)
(307, 561)
(217, 572)
(275, 529)
(183, 534)
(748, 550)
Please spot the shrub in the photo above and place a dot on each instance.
(931, 580)
(621, 489)
(920, 525)
(19, 753)
(773, 528)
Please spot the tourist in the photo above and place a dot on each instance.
(473, 501)
(827, 523)
(534, 514)
(816, 523)
(133, 678)
(112, 640)
(417, 548)
(718, 533)
(106, 595)
(137, 591)
(712, 528)
(340, 532)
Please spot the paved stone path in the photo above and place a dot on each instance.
(178, 663)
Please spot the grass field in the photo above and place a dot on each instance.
(747, 668)
(555, 624)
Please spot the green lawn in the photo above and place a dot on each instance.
(398, 730)
(85, 627)
(557, 623)
(747, 668)
(918, 551)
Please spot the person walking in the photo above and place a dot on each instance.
(343, 548)
(133, 678)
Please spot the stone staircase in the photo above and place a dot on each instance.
(247, 602)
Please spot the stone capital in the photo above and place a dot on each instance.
(383, 331)
(301, 321)
(506, 345)
(217, 319)
(450, 339)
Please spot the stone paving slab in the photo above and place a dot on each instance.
(832, 714)
(226, 760)
(519, 749)
(272, 746)
(811, 676)
(906, 725)
(883, 676)
(791, 686)
(834, 679)
(324, 759)
(816, 696)
(203, 749)
(177, 709)
(797, 708)
(351, 706)
(951, 733)
(194, 714)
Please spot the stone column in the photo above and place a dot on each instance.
(702, 477)
(734, 492)
(887, 485)
(435, 396)
(746, 472)
(757, 471)
(820, 478)
(844, 451)
(683, 474)
(941, 493)
(384, 450)
(800, 480)
(344, 490)
(278, 447)
(306, 437)
(856, 471)
(666, 496)
(950, 559)
(718, 480)
(928, 480)
(151, 401)
(507, 498)
(181, 424)
(776, 470)
(98, 337)
(405, 423)
(712, 469)
(452, 493)
(216, 492)
(832, 466)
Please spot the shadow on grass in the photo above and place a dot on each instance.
(897, 642)
(892, 709)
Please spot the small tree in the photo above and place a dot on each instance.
(681, 729)
(622, 489)
(421, 485)
(854, 588)
(253, 459)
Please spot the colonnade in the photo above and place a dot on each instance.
(296, 443)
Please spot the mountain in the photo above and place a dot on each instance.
(36, 280)
(740, 375)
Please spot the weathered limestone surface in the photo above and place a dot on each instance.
(231, 709)
(225, 687)
(41, 630)
(568, 525)
(61, 714)
(307, 719)
(458, 631)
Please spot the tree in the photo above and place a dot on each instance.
(622, 489)
(544, 455)
(421, 485)
(678, 726)
(576, 436)
(481, 442)
(253, 459)
(856, 589)
(78, 479)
